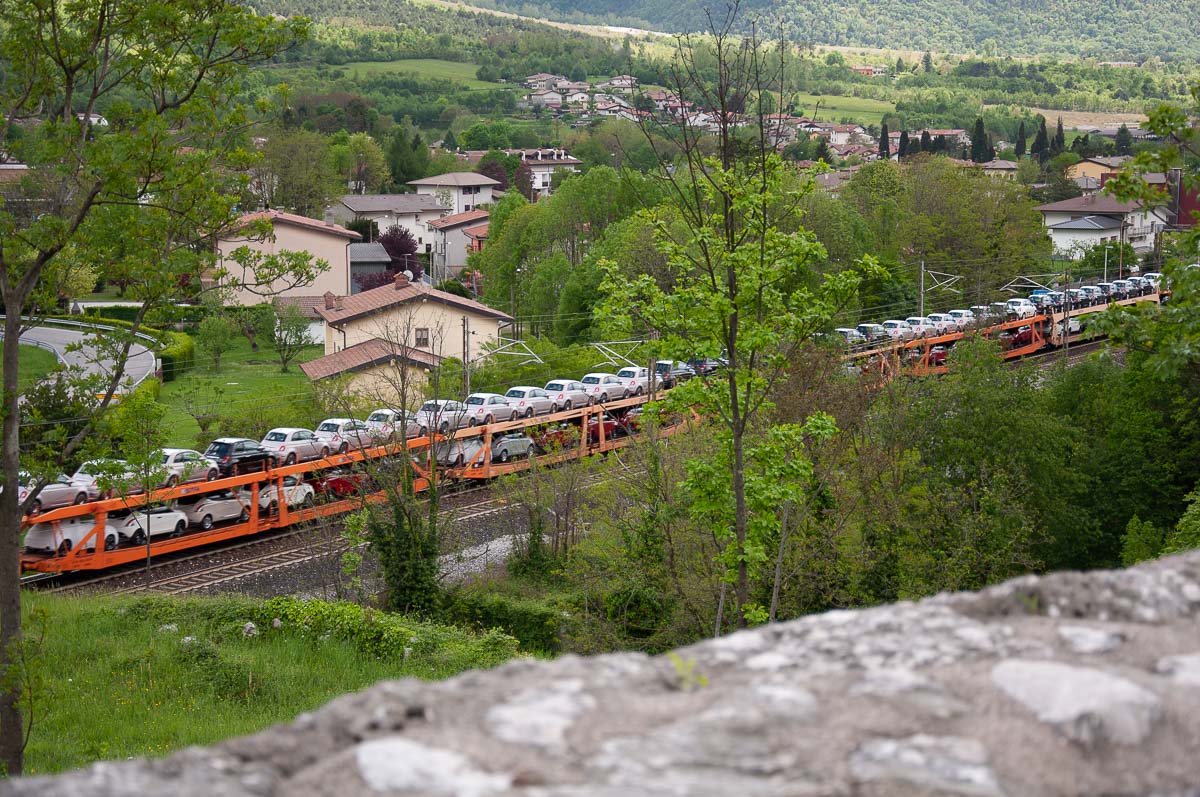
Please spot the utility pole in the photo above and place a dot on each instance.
(921, 291)
(466, 324)
(1106, 262)
(1067, 316)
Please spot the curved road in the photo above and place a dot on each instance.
(141, 362)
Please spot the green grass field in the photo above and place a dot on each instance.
(249, 388)
(115, 678)
(861, 110)
(32, 364)
(425, 67)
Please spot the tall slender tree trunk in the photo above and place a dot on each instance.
(12, 741)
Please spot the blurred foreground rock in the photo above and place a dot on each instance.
(1071, 684)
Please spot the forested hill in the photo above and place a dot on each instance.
(1103, 29)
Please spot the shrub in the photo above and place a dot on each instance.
(178, 355)
(535, 624)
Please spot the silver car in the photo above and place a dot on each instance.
(205, 510)
(635, 379)
(529, 401)
(944, 323)
(60, 492)
(185, 465)
(567, 393)
(443, 415)
(290, 445)
(488, 408)
(603, 386)
(383, 424)
(505, 448)
(899, 330)
(339, 434)
(964, 318)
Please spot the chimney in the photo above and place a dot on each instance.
(329, 216)
(401, 280)
(337, 303)
(329, 300)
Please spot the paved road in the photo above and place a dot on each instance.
(139, 366)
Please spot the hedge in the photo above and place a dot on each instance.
(535, 624)
(112, 312)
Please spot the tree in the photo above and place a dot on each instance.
(297, 172)
(821, 151)
(903, 148)
(499, 167)
(407, 157)
(161, 178)
(215, 335)
(927, 62)
(1124, 141)
(523, 180)
(1060, 139)
(401, 246)
(1019, 147)
(360, 163)
(449, 142)
(1041, 143)
(979, 143)
(885, 144)
(287, 330)
(737, 287)
(926, 141)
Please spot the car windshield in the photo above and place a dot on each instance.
(217, 448)
(591, 380)
(474, 400)
(327, 427)
(429, 406)
(378, 417)
(627, 373)
(556, 386)
(276, 437)
(166, 458)
(514, 393)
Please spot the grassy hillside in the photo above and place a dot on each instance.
(1105, 29)
(860, 109)
(121, 677)
(433, 68)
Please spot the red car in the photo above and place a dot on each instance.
(338, 484)
(556, 438)
(611, 429)
(937, 355)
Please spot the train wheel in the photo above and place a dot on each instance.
(206, 522)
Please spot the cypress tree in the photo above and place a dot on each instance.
(926, 142)
(979, 142)
(1041, 143)
(1019, 149)
(885, 144)
(903, 149)
(1124, 141)
(1060, 138)
(450, 143)
(927, 61)
(821, 153)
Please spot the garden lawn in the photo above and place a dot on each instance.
(833, 107)
(435, 68)
(250, 383)
(118, 680)
(33, 363)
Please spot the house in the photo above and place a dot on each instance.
(1088, 185)
(544, 98)
(450, 243)
(477, 236)
(623, 84)
(870, 71)
(458, 191)
(396, 334)
(543, 163)
(1006, 170)
(367, 258)
(847, 134)
(410, 211)
(542, 80)
(1096, 167)
(576, 96)
(572, 85)
(326, 242)
(1077, 224)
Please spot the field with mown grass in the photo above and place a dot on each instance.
(252, 390)
(434, 68)
(122, 677)
(833, 107)
(32, 364)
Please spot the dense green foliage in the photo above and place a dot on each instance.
(1098, 28)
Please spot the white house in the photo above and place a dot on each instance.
(543, 163)
(625, 84)
(451, 243)
(545, 97)
(410, 211)
(576, 96)
(1077, 224)
(458, 191)
(542, 80)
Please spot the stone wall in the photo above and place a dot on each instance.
(1072, 684)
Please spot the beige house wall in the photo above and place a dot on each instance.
(1087, 169)
(382, 385)
(400, 325)
(332, 248)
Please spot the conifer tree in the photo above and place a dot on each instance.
(1041, 142)
(1060, 139)
(903, 148)
(885, 144)
(450, 143)
(927, 62)
(1019, 149)
(1124, 141)
(979, 142)
(926, 142)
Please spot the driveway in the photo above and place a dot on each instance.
(141, 362)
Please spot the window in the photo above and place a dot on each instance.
(422, 334)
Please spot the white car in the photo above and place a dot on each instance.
(62, 536)
(1154, 278)
(296, 492)
(205, 510)
(185, 465)
(873, 332)
(339, 434)
(484, 408)
(852, 336)
(529, 401)
(602, 386)
(944, 323)
(290, 445)
(114, 472)
(131, 524)
(384, 423)
(898, 330)
(1021, 308)
(964, 318)
(443, 415)
(60, 492)
(568, 393)
(636, 380)
(922, 326)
